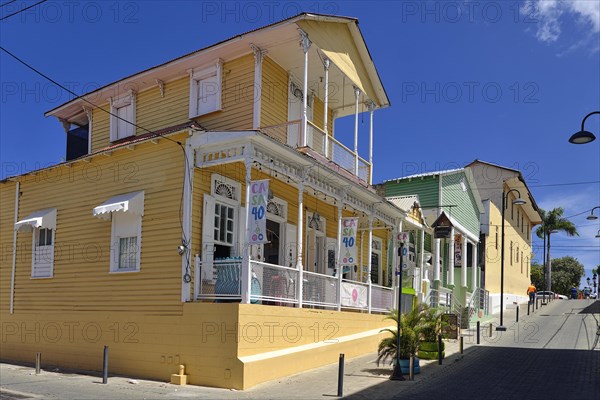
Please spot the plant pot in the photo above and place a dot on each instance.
(405, 366)
(429, 350)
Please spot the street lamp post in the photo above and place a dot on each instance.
(583, 136)
(549, 263)
(517, 201)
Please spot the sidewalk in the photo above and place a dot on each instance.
(360, 374)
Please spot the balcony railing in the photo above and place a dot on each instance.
(318, 140)
(278, 285)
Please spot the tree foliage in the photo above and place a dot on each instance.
(537, 275)
(553, 220)
(566, 273)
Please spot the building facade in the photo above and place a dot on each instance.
(452, 277)
(494, 182)
(143, 239)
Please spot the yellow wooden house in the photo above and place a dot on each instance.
(139, 241)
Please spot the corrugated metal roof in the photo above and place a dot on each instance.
(442, 172)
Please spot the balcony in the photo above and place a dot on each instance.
(322, 143)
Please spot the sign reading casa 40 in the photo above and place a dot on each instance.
(348, 255)
(257, 219)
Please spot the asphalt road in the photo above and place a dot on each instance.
(552, 354)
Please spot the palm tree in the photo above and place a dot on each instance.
(553, 222)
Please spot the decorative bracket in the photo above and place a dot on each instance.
(161, 87)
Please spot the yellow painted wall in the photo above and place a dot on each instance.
(82, 242)
(209, 339)
(154, 112)
(516, 279)
(274, 102)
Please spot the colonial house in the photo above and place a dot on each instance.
(495, 182)
(451, 206)
(211, 215)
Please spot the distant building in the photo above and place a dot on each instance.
(492, 182)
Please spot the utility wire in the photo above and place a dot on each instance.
(7, 3)
(186, 161)
(21, 10)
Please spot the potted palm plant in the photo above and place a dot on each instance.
(431, 326)
(409, 340)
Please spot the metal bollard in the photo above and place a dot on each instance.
(528, 304)
(517, 313)
(478, 334)
(105, 366)
(38, 363)
(537, 303)
(461, 344)
(411, 372)
(340, 391)
(491, 333)
(440, 349)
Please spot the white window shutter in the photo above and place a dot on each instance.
(208, 242)
(241, 237)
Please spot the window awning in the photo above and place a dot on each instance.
(39, 219)
(130, 202)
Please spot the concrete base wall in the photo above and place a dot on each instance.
(509, 301)
(221, 345)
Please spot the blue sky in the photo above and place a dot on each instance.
(502, 81)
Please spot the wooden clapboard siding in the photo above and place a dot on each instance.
(82, 280)
(155, 112)
(274, 101)
(237, 97)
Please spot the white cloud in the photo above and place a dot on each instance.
(549, 14)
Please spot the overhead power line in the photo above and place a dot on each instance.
(7, 3)
(21, 10)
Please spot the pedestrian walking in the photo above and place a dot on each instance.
(531, 292)
(574, 293)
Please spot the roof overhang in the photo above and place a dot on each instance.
(531, 208)
(39, 219)
(272, 36)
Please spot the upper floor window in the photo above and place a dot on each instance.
(205, 89)
(122, 117)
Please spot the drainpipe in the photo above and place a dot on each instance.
(299, 240)
(14, 256)
(338, 252)
(246, 267)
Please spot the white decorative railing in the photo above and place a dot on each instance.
(319, 289)
(273, 284)
(278, 285)
(317, 139)
(220, 279)
(381, 298)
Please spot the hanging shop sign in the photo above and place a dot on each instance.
(349, 250)
(257, 209)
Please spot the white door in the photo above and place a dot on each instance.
(295, 104)
(208, 242)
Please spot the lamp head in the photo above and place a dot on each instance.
(591, 217)
(582, 137)
(519, 202)
(598, 234)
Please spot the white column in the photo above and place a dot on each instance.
(369, 265)
(371, 110)
(436, 260)
(451, 259)
(258, 60)
(394, 266)
(305, 42)
(299, 240)
(356, 94)
(474, 267)
(463, 261)
(423, 267)
(339, 266)
(186, 239)
(326, 63)
(246, 274)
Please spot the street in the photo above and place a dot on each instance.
(547, 355)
